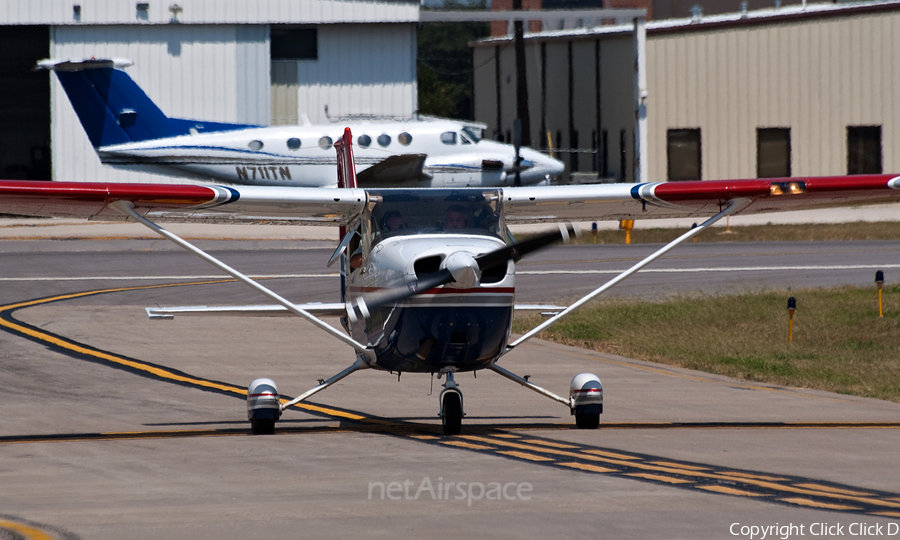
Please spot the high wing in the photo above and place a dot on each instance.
(338, 206)
(183, 203)
(697, 198)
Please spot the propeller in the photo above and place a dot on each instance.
(517, 143)
(461, 268)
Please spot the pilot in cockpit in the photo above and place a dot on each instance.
(392, 221)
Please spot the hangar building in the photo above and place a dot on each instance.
(789, 91)
(259, 62)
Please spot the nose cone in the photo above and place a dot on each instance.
(545, 168)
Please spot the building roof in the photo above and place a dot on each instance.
(785, 14)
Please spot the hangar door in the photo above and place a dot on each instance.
(24, 103)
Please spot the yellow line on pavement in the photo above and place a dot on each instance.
(28, 532)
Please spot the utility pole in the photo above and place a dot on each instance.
(521, 79)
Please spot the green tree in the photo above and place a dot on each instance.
(444, 66)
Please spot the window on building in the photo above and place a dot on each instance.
(863, 149)
(290, 43)
(683, 154)
(773, 152)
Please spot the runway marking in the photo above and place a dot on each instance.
(816, 504)
(680, 466)
(10, 323)
(587, 467)
(547, 443)
(659, 478)
(169, 278)
(524, 455)
(833, 490)
(462, 444)
(24, 530)
(731, 491)
(887, 514)
(713, 269)
(700, 270)
(489, 440)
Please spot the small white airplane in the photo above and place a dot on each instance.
(129, 131)
(428, 275)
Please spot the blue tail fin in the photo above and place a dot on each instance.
(113, 109)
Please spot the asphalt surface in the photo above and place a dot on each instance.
(115, 426)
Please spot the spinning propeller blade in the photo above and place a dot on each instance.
(484, 263)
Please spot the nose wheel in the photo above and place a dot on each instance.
(451, 406)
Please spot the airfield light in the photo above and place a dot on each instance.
(879, 280)
(694, 226)
(594, 231)
(792, 307)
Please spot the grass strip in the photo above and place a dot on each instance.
(840, 344)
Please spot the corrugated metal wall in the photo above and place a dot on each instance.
(216, 73)
(814, 76)
(361, 70)
(616, 68)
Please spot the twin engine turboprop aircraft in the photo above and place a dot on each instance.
(128, 131)
(428, 275)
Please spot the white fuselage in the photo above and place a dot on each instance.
(303, 156)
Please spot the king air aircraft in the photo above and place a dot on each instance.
(427, 275)
(129, 131)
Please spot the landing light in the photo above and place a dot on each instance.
(787, 188)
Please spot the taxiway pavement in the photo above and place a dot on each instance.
(115, 426)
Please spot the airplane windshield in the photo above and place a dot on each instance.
(474, 135)
(438, 211)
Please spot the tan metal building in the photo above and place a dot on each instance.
(789, 91)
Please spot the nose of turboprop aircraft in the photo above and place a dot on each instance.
(545, 168)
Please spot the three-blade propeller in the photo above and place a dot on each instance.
(459, 267)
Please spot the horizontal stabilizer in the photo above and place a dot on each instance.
(539, 307)
(80, 64)
(318, 309)
(394, 170)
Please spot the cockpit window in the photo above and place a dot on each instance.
(472, 133)
(462, 211)
(448, 137)
(464, 140)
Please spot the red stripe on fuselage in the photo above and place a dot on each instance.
(439, 290)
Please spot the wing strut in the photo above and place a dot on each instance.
(733, 206)
(127, 208)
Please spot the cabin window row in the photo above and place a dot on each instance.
(326, 142)
(773, 152)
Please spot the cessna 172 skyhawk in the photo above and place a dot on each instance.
(428, 275)
(127, 130)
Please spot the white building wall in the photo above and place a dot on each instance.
(105, 12)
(216, 73)
(361, 70)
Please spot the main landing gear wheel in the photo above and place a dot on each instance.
(587, 421)
(452, 417)
(262, 426)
